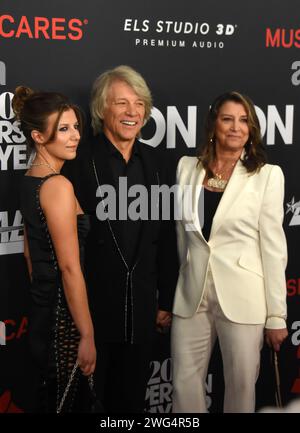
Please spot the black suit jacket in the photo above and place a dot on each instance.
(154, 274)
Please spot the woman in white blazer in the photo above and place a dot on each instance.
(231, 284)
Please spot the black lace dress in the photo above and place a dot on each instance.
(53, 337)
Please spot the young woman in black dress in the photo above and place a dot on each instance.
(61, 332)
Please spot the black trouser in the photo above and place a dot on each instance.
(122, 374)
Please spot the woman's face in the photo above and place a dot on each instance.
(231, 127)
(67, 136)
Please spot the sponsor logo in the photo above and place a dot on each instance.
(159, 391)
(295, 339)
(169, 125)
(293, 286)
(12, 152)
(272, 123)
(282, 38)
(2, 74)
(2, 334)
(293, 207)
(58, 28)
(11, 234)
(209, 390)
(15, 329)
(7, 405)
(178, 34)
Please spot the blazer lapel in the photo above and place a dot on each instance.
(233, 189)
(152, 177)
(191, 203)
(151, 171)
(101, 159)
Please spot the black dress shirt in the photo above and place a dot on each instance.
(134, 174)
(129, 230)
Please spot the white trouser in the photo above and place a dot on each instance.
(192, 341)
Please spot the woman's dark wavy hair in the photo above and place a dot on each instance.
(254, 156)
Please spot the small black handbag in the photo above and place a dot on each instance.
(94, 405)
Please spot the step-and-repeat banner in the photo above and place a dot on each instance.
(188, 52)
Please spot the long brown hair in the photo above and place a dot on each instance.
(254, 156)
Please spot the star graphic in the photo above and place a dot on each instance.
(292, 206)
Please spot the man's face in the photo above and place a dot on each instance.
(124, 113)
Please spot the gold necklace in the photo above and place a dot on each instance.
(37, 164)
(217, 182)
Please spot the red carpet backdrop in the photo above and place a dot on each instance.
(189, 52)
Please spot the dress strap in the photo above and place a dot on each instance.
(43, 218)
(43, 179)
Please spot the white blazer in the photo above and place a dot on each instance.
(246, 251)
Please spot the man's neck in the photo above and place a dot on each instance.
(124, 147)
